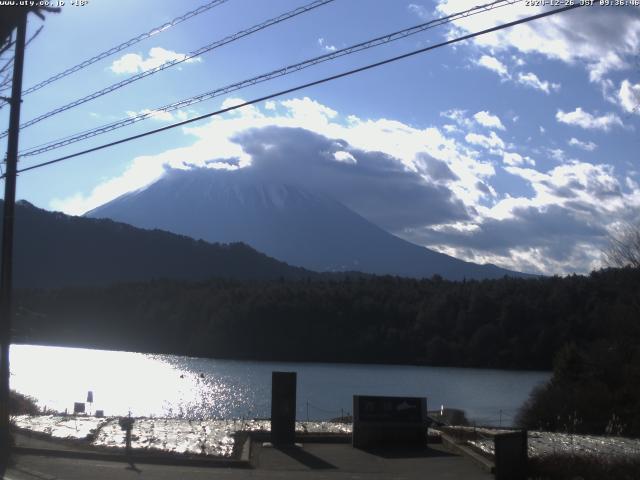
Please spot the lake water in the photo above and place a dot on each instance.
(197, 388)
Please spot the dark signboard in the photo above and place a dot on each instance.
(389, 409)
(283, 408)
(78, 407)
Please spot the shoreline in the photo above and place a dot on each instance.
(36, 343)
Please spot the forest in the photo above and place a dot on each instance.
(585, 326)
(507, 323)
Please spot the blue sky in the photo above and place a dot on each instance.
(518, 148)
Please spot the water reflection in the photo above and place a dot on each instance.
(197, 388)
(121, 382)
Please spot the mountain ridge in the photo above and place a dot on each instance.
(52, 249)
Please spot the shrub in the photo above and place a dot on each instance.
(566, 466)
(20, 404)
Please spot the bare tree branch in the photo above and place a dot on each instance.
(624, 248)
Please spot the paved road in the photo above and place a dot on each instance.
(313, 461)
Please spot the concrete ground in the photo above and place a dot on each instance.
(310, 461)
(321, 460)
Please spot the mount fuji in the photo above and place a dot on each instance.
(290, 223)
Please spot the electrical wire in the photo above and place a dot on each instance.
(171, 63)
(143, 36)
(33, 37)
(303, 86)
(6, 65)
(7, 46)
(8, 82)
(381, 40)
(5, 82)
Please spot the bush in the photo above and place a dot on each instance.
(592, 390)
(20, 404)
(584, 467)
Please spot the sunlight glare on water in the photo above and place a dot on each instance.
(121, 382)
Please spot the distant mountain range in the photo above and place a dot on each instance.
(294, 225)
(53, 250)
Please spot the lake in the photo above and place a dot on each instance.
(197, 388)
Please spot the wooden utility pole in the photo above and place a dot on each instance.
(6, 258)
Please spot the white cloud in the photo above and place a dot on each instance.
(134, 63)
(346, 157)
(629, 96)
(586, 120)
(491, 142)
(181, 115)
(594, 186)
(323, 43)
(562, 227)
(139, 174)
(419, 10)
(488, 120)
(572, 206)
(310, 113)
(603, 41)
(155, 114)
(588, 146)
(495, 65)
(557, 154)
(248, 111)
(160, 115)
(459, 117)
(531, 80)
(515, 160)
(528, 79)
(608, 89)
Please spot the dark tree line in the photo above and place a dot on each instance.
(506, 323)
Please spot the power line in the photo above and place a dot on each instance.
(171, 63)
(6, 84)
(120, 47)
(384, 39)
(128, 43)
(7, 46)
(6, 81)
(32, 38)
(303, 86)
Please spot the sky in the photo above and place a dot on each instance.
(517, 148)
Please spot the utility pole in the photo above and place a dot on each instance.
(6, 309)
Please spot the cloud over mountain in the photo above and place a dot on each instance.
(438, 189)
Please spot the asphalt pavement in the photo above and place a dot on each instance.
(308, 461)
